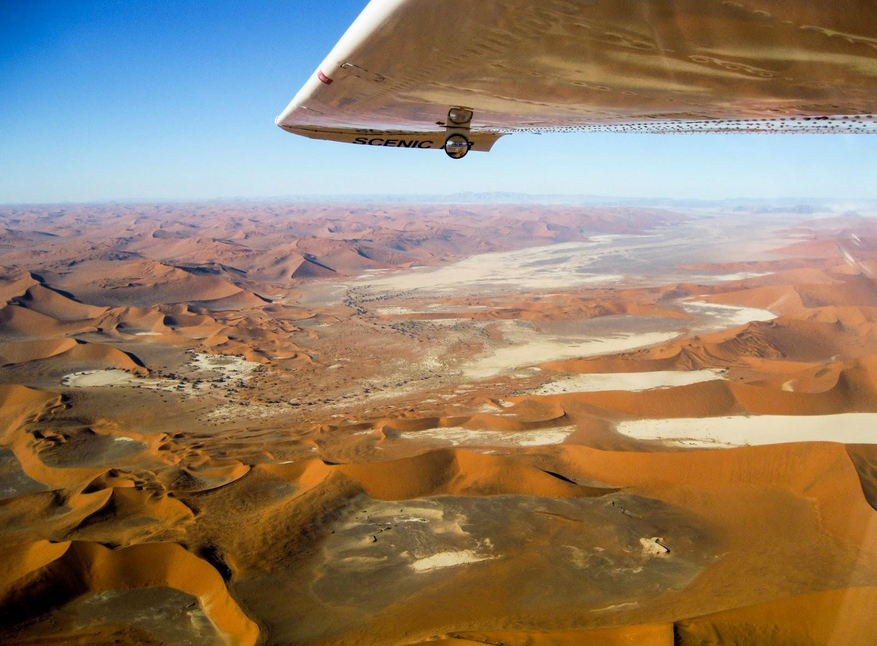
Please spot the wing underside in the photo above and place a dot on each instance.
(802, 66)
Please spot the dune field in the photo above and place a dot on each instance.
(284, 423)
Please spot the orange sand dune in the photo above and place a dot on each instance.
(187, 321)
(790, 297)
(131, 516)
(755, 266)
(238, 301)
(817, 478)
(339, 256)
(802, 276)
(139, 282)
(88, 568)
(50, 515)
(15, 282)
(164, 246)
(20, 323)
(281, 263)
(520, 422)
(89, 356)
(203, 474)
(456, 472)
(865, 459)
(784, 300)
(24, 558)
(855, 390)
(861, 320)
(182, 316)
(23, 351)
(828, 249)
(785, 339)
(791, 517)
(136, 319)
(59, 307)
(626, 636)
(19, 403)
(840, 617)
(65, 356)
(306, 269)
(443, 472)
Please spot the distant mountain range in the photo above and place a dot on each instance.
(801, 205)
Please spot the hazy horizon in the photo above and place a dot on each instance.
(487, 197)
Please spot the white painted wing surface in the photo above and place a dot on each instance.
(803, 66)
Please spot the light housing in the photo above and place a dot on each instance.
(457, 146)
(460, 116)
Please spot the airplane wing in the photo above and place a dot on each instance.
(425, 73)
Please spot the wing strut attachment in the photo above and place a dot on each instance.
(457, 129)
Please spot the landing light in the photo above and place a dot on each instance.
(457, 146)
(460, 116)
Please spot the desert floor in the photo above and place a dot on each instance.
(244, 423)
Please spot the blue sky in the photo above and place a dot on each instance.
(123, 100)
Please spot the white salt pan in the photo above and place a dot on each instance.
(228, 365)
(458, 436)
(727, 316)
(540, 349)
(629, 381)
(447, 559)
(550, 267)
(719, 432)
(97, 378)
